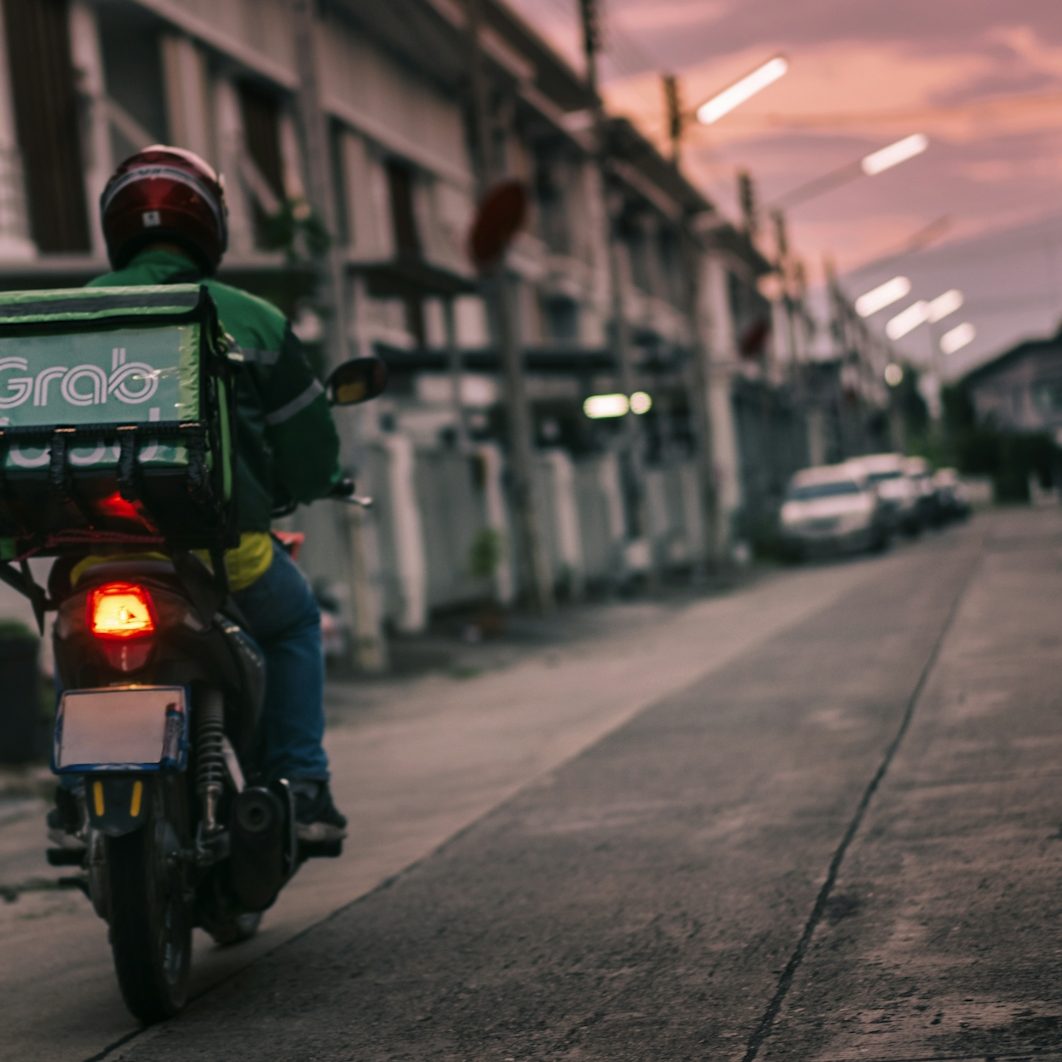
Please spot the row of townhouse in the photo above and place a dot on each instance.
(90, 81)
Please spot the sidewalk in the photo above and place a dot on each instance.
(455, 648)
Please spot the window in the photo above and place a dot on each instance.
(47, 123)
(560, 319)
(401, 183)
(551, 211)
(336, 146)
(260, 111)
(133, 71)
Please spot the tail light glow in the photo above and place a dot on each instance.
(121, 611)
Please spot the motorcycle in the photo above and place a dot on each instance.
(156, 744)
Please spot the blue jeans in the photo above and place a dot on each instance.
(283, 618)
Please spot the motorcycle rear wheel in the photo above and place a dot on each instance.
(150, 918)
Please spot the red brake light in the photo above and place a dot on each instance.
(120, 610)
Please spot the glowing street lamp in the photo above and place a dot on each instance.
(870, 302)
(606, 407)
(924, 312)
(893, 374)
(722, 103)
(907, 320)
(893, 154)
(957, 338)
(943, 305)
(868, 166)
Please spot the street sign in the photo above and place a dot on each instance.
(501, 215)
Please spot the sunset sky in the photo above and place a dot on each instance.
(981, 78)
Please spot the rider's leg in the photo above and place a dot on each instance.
(285, 620)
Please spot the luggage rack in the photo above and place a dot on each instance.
(59, 441)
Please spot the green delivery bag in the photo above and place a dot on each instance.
(116, 419)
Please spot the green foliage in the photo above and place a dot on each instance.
(298, 231)
(16, 630)
(486, 553)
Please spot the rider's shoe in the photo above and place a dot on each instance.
(66, 822)
(317, 819)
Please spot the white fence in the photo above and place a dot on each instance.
(434, 506)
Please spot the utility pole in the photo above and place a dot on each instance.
(634, 465)
(782, 265)
(370, 648)
(699, 370)
(700, 383)
(498, 293)
(673, 115)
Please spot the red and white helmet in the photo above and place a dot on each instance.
(165, 194)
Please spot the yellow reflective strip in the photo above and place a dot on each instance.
(138, 797)
(97, 798)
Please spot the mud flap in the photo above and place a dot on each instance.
(117, 804)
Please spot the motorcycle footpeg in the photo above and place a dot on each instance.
(65, 857)
(320, 850)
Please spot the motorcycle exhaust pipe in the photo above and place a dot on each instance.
(259, 862)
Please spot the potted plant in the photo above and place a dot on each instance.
(484, 556)
(21, 715)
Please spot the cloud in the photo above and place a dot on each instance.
(857, 78)
(1029, 46)
(920, 26)
(670, 15)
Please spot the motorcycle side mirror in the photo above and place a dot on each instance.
(357, 381)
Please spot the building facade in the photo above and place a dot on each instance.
(421, 116)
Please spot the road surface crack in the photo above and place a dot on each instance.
(822, 906)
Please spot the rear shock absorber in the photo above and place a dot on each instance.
(210, 755)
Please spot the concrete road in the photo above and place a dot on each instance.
(815, 820)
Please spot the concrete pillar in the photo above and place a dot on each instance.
(230, 150)
(187, 95)
(612, 488)
(723, 345)
(411, 559)
(87, 57)
(566, 509)
(498, 519)
(15, 239)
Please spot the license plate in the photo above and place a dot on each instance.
(822, 526)
(127, 728)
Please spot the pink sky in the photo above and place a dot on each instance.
(982, 78)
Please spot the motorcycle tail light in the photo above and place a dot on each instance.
(121, 612)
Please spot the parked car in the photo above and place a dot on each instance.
(833, 508)
(927, 504)
(899, 492)
(952, 496)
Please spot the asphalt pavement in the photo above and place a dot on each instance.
(816, 821)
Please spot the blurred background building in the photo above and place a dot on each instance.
(625, 283)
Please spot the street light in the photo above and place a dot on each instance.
(868, 166)
(893, 374)
(943, 305)
(923, 312)
(870, 302)
(892, 155)
(722, 103)
(957, 338)
(907, 320)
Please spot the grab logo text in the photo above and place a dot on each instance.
(131, 382)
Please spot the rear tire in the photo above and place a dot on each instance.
(150, 918)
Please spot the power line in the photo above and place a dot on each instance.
(1004, 106)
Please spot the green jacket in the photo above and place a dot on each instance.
(286, 444)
